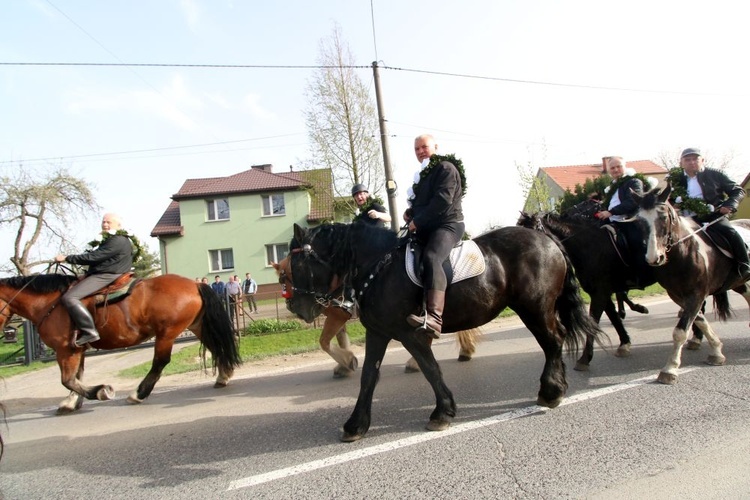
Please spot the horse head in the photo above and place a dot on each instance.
(309, 260)
(661, 222)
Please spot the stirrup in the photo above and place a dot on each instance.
(86, 338)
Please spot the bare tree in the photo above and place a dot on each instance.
(37, 206)
(342, 121)
(719, 161)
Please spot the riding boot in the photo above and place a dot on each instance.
(84, 322)
(431, 323)
(743, 263)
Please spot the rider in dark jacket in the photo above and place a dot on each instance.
(723, 197)
(437, 218)
(111, 259)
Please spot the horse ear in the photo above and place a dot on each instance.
(299, 233)
(664, 195)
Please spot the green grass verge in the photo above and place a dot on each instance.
(257, 346)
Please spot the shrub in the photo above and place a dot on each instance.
(266, 326)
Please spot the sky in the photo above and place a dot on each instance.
(499, 84)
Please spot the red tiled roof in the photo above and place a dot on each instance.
(255, 180)
(567, 177)
(169, 223)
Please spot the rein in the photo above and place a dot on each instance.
(670, 236)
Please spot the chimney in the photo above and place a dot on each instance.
(604, 163)
(266, 167)
(291, 168)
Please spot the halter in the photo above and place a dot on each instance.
(335, 297)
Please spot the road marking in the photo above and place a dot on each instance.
(429, 436)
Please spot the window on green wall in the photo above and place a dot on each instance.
(276, 252)
(273, 204)
(221, 260)
(218, 209)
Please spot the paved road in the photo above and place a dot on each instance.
(274, 432)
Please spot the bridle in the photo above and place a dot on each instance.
(335, 297)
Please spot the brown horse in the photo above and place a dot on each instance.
(160, 308)
(690, 268)
(335, 324)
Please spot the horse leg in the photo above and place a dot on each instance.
(162, 357)
(467, 341)
(71, 373)
(543, 326)
(335, 325)
(621, 298)
(359, 422)
(623, 350)
(595, 310)
(695, 341)
(715, 357)
(668, 374)
(633, 306)
(445, 406)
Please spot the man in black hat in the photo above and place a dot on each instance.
(369, 210)
(722, 196)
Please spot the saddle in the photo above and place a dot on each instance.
(619, 243)
(116, 291)
(465, 261)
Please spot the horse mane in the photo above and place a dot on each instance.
(40, 283)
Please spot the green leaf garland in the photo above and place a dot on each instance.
(695, 205)
(138, 251)
(434, 162)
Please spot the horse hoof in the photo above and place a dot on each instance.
(581, 367)
(342, 372)
(106, 393)
(350, 438)
(134, 399)
(714, 360)
(640, 309)
(354, 364)
(692, 345)
(464, 357)
(64, 410)
(437, 425)
(221, 384)
(549, 404)
(667, 378)
(623, 351)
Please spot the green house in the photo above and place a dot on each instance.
(241, 223)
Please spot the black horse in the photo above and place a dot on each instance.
(599, 267)
(525, 270)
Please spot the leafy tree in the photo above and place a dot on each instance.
(40, 207)
(148, 264)
(591, 188)
(536, 192)
(342, 121)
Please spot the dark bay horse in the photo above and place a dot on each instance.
(161, 308)
(690, 268)
(598, 266)
(525, 270)
(334, 325)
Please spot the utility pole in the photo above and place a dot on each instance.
(390, 184)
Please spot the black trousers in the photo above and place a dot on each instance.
(437, 247)
(724, 229)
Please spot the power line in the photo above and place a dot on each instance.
(392, 68)
(151, 150)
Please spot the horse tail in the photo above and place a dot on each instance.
(572, 311)
(722, 307)
(217, 334)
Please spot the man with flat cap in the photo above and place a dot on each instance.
(722, 196)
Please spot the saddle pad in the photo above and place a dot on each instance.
(745, 233)
(466, 259)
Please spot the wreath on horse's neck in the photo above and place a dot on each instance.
(369, 203)
(675, 177)
(138, 251)
(435, 160)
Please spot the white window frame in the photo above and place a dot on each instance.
(275, 252)
(217, 257)
(268, 205)
(218, 213)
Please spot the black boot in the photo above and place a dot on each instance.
(737, 276)
(431, 323)
(84, 322)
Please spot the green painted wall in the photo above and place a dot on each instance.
(247, 232)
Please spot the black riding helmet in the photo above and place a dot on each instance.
(358, 188)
